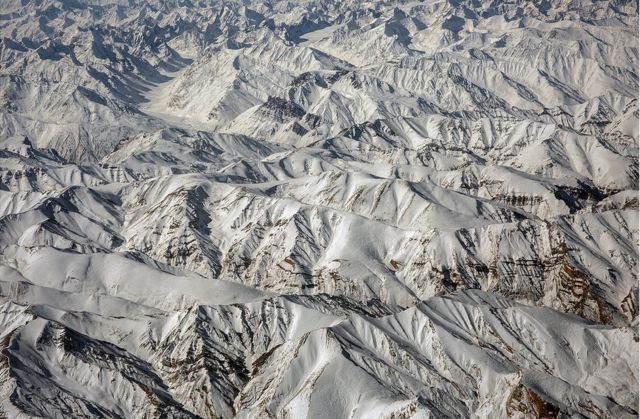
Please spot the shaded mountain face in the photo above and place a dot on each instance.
(318, 209)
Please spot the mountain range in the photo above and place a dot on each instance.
(319, 208)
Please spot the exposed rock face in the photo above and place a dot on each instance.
(353, 209)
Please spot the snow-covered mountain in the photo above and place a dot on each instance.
(324, 209)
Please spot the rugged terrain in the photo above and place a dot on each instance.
(326, 209)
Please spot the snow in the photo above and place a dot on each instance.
(318, 209)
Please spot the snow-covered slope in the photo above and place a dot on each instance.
(318, 208)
